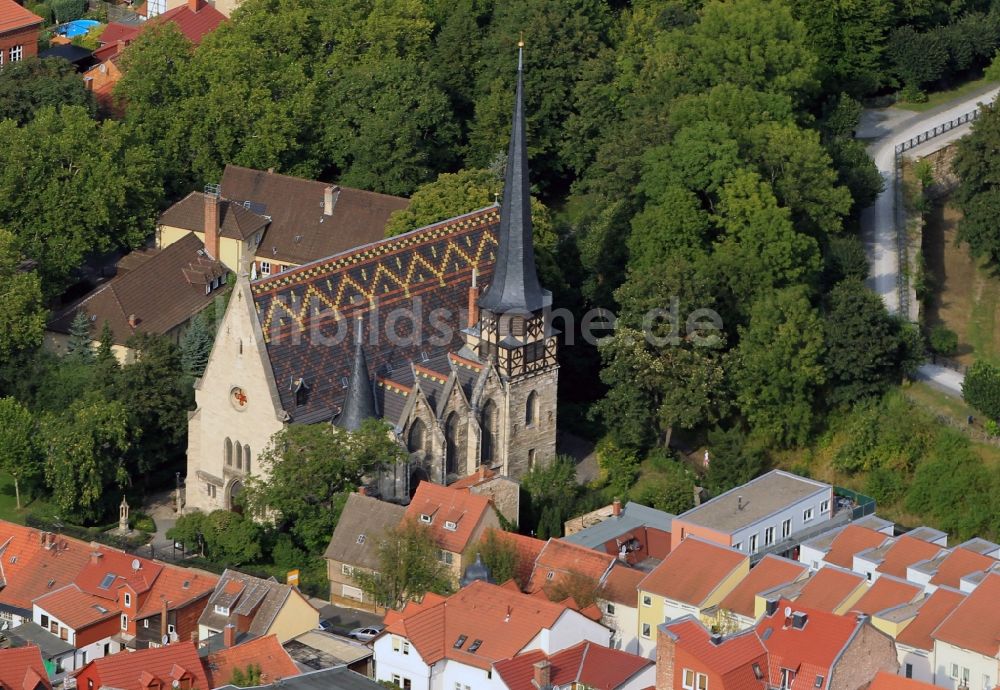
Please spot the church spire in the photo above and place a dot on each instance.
(359, 404)
(515, 285)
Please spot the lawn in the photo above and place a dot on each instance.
(941, 97)
(8, 503)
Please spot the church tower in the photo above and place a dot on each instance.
(513, 330)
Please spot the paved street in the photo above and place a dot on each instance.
(946, 380)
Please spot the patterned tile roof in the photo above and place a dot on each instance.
(135, 671)
(305, 313)
(30, 568)
(905, 552)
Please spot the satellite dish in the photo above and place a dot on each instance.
(788, 612)
(176, 683)
(135, 564)
(166, 641)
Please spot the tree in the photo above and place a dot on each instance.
(19, 455)
(29, 85)
(619, 466)
(918, 58)
(78, 345)
(582, 589)
(85, 449)
(222, 536)
(408, 568)
(246, 678)
(732, 460)
(670, 488)
(553, 489)
(310, 469)
(499, 553)
(196, 346)
(21, 305)
(777, 367)
(978, 193)
(981, 388)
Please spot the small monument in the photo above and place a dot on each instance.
(123, 518)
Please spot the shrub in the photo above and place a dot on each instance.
(981, 388)
(619, 467)
(943, 340)
(992, 72)
(43, 10)
(991, 427)
(68, 10)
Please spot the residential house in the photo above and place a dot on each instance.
(967, 642)
(618, 600)
(155, 7)
(354, 546)
(739, 609)
(504, 492)
(562, 567)
(455, 642)
(838, 547)
(22, 669)
(887, 592)
(528, 550)
(634, 533)
(119, 602)
(57, 654)
(339, 678)
(19, 29)
(265, 654)
(175, 666)
(768, 514)
(195, 19)
(912, 627)
(456, 519)
(257, 608)
(266, 223)
(696, 575)
(809, 649)
(829, 589)
(690, 657)
(894, 556)
(889, 681)
(584, 665)
(156, 291)
(949, 567)
(318, 649)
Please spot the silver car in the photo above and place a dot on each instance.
(366, 634)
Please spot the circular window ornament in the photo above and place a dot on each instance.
(238, 398)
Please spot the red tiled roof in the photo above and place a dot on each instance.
(622, 585)
(905, 552)
(561, 558)
(828, 588)
(935, 609)
(853, 539)
(165, 664)
(890, 681)
(692, 571)
(481, 475)
(585, 663)
(770, 572)
(975, 623)
(733, 658)
(194, 25)
(264, 652)
(117, 564)
(14, 17)
(29, 569)
(958, 564)
(502, 618)
(22, 669)
(528, 549)
(811, 650)
(176, 586)
(77, 608)
(885, 593)
(444, 505)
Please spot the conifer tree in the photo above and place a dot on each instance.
(196, 346)
(79, 338)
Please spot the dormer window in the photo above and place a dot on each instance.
(426, 519)
(757, 672)
(128, 600)
(222, 610)
(450, 526)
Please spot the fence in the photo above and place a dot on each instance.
(115, 13)
(902, 243)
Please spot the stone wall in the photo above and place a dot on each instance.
(869, 652)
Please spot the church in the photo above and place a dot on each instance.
(442, 332)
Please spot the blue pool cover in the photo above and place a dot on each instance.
(77, 27)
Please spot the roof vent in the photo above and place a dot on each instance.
(739, 503)
(799, 620)
(771, 607)
(716, 639)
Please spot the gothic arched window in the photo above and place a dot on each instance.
(229, 452)
(239, 456)
(451, 444)
(246, 458)
(417, 438)
(488, 424)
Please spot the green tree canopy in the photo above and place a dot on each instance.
(408, 568)
(28, 85)
(21, 305)
(19, 452)
(981, 388)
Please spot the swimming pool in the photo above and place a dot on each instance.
(77, 27)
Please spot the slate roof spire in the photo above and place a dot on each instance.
(359, 404)
(515, 285)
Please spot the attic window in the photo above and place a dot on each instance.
(819, 682)
(758, 674)
(361, 539)
(13, 560)
(425, 518)
(187, 584)
(460, 641)
(100, 609)
(343, 381)
(450, 526)
(222, 610)
(474, 647)
(107, 581)
(551, 574)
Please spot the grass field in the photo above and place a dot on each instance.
(940, 97)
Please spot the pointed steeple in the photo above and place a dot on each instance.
(359, 404)
(515, 286)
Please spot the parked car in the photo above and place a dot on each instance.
(366, 634)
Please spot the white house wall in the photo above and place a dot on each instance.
(569, 629)
(624, 622)
(979, 666)
(793, 512)
(389, 662)
(920, 660)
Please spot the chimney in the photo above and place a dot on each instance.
(482, 471)
(195, 5)
(132, 321)
(362, 490)
(616, 507)
(229, 635)
(666, 651)
(212, 221)
(164, 613)
(330, 195)
(771, 607)
(473, 301)
(543, 674)
(799, 620)
(95, 557)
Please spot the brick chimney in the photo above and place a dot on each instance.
(229, 635)
(164, 613)
(473, 301)
(362, 490)
(95, 557)
(330, 195)
(543, 674)
(212, 221)
(616, 507)
(666, 656)
(132, 320)
(195, 5)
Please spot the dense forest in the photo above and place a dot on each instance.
(686, 156)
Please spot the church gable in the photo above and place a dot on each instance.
(304, 314)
